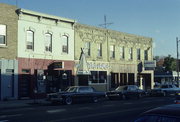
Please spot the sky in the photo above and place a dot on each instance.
(158, 19)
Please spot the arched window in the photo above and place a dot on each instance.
(65, 40)
(48, 42)
(29, 40)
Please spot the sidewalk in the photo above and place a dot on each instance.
(12, 104)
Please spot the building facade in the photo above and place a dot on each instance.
(114, 58)
(37, 50)
(8, 52)
(40, 53)
(45, 53)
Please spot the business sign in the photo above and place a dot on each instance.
(58, 65)
(95, 65)
(150, 64)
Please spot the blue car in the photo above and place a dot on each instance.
(168, 113)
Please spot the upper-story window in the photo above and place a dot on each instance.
(29, 40)
(2, 35)
(112, 51)
(145, 54)
(48, 42)
(122, 53)
(139, 54)
(87, 48)
(100, 50)
(131, 53)
(65, 40)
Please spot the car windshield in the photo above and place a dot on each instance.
(71, 89)
(121, 88)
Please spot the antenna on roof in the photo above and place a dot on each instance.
(105, 23)
(16, 3)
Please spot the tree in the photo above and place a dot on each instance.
(169, 63)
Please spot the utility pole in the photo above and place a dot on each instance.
(105, 23)
(177, 62)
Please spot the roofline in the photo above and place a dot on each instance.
(116, 31)
(43, 15)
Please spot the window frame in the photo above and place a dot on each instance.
(27, 40)
(122, 52)
(3, 34)
(65, 48)
(48, 48)
(146, 55)
(138, 54)
(87, 47)
(131, 53)
(99, 54)
(112, 51)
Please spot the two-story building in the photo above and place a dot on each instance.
(38, 49)
(113, 58)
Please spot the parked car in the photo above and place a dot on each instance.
(177, 98)
(164, 90)
(125, 92)
(168, 113)
(76, 94)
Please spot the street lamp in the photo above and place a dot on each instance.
(177, 62)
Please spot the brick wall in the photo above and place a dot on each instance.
(9, 18)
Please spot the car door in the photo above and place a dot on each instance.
(85, 93)
(132, 91)
(129, 92)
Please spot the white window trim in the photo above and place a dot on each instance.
(3, 32)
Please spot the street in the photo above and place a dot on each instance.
(105, 111)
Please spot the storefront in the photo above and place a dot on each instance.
(98, 77)
(40, 76)
(123, 74)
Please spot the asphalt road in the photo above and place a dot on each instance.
(106, 111)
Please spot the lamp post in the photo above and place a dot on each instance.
(177, 62)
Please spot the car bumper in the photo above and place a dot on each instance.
(54, 99)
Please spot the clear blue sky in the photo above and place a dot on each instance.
(159, 19)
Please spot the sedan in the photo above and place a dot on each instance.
(177, 98)
(165, 90)
(125, 92)
(168, 113)
(76, 94)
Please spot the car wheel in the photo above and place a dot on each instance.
(139, 96)
(95, 99)
(164, 94)
(68, 101)
(124, 97)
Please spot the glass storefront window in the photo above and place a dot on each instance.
(98, 76)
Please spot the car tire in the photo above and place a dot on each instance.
(139, 96)
(124, 97)
(95, 100)
(164, 94)
(68, 101)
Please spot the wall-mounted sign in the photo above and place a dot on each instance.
(149, 64)
(93, 65)
(58, 65)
